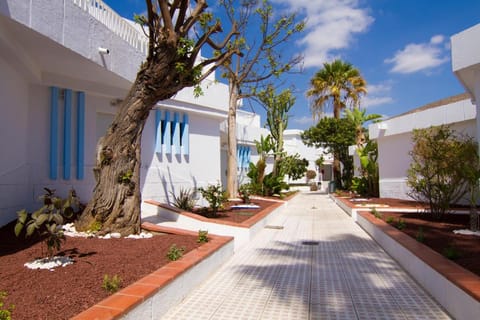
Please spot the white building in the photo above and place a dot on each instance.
(461, 112)
(293, 144)
(394, 138)
(60, 91)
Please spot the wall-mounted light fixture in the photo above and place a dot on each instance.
(103, 50)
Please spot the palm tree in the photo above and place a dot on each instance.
(359, 118)
(338, 84)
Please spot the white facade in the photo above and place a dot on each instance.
(293, 144)
(460, 112)
(394, 138)
(55, 44)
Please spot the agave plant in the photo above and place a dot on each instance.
(185, 200)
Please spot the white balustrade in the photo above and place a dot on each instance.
(103, 13)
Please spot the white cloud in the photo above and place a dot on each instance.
(303, 120)
(331, 26)
(378, 94)
(417, 57)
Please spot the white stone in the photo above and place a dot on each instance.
(467, 232)
(49, 263)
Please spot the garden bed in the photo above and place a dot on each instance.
(66, 291)
(437, 234)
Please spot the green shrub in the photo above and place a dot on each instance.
(47, 220)
(5, 312)
(311, 174)
(389, 220)
(185, 199)
(401, 224)
(244, 192)
(420, 236)
(436, 175)
(111, 284)
(451, 252)
(175, 253)
(376, 213)
(215, 196)
(202, 236)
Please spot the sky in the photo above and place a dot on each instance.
(400, 47)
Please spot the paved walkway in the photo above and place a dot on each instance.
(321, 265)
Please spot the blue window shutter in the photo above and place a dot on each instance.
(166, 133)
(240, 156)
(67, 133)
(158, 131)
(247, 158)
(80, 134)
(185, 140)
(176, 133)
(53, 132)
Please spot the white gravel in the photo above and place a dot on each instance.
(467, 232)
(49, 263)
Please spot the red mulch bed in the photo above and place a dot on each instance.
(438, 234)
(236, 215)
(65, 292)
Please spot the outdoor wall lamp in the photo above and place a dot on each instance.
(103, 50)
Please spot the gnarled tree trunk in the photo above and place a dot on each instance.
(115, 204)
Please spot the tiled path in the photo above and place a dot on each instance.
(340, 273)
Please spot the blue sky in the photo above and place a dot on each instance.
(402, 48)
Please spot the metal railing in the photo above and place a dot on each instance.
(112, 20)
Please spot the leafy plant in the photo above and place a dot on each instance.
(47, 220)
(202, 236)
(111, 284)
(420, 236)
(125, 177)
(215, 196)
(5, 312)
(244, 192)
(401, 224)
(436, 175)
(174, 253)
(185, 199)
(451, 252)
(376, 213)
(311, 174)
(294, 167)
(389, 220)
(273, 184)
(95, 226)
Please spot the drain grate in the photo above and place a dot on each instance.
(274, 227)
(310, 243)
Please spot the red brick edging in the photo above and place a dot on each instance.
(128, 298)
(459, 276)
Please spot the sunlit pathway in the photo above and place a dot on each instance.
(321, 265)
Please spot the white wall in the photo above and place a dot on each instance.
(395, 141)
(165, 173)
(25, 82)
(14, 122)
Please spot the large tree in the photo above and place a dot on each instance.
(338, 84)
(263, 36)
(177, 30)
(336, 135)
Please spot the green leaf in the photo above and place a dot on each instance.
(31, 227)
(68, 212)
(57, 217)
(40, 220)
(18, 228)
(22, 216)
